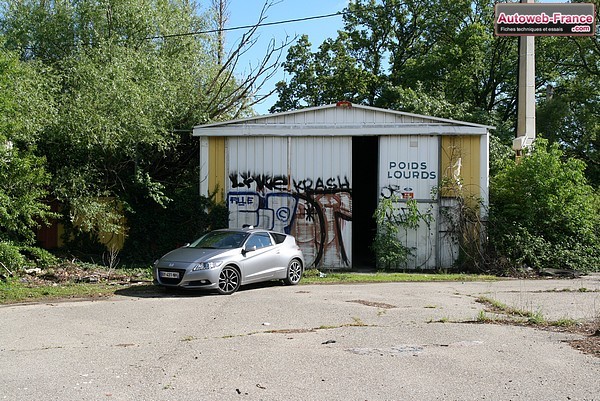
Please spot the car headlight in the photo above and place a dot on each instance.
(206, 265)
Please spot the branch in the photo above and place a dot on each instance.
(221, 100)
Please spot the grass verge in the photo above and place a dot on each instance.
(520, 316)
(316, 277)
(504, 314)
(13, 291)
(33, 289)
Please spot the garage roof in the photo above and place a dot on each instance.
(341, 119)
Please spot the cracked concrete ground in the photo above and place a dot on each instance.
(396, 341)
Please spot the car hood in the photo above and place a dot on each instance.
(194, 255)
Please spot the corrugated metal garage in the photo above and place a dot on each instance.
(319, 173)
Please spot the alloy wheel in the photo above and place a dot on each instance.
(229, 280)
(294, 272)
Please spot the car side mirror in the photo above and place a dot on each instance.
(248, 249)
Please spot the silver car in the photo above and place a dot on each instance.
(223, 260)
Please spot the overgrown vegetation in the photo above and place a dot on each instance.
(98, 99)
(97, 104)
(395, 54)
(544, 214)
(503, 313)
(70, 280)
(394, 220)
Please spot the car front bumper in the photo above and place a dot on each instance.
(183, 278)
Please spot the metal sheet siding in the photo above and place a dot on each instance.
(216, 165)
(409, 169)
(461, 160)
(261, 155)
(341, 116)
(408, 166)
(324, 158)
(322, 170)
(298, 186)
(448, 246)
(422, 241)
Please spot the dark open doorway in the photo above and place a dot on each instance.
(365, 152)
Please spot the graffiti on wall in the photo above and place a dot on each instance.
(318, 212)
(392, 190)
(263, 182)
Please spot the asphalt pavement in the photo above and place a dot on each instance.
(396, 341)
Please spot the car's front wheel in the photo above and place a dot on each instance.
(229, 280)
(294, 272)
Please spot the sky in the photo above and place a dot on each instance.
(247, 12)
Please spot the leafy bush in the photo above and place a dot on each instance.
(10, 257)
(41, 257)
(16, 257)
(390, 251)
(25, 109)
(154, 230)
(544, 214)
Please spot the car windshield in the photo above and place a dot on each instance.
(220, 240)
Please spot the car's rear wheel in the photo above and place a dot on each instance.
(294, 272)
(229, 280)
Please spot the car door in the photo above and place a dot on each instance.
(260, 258)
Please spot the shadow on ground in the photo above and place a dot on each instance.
(153, 291)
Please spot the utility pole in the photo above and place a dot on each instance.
(221, 17)
(526, 94)
(527, 19)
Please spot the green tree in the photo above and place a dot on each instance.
(411, 56)
(569, 114)
(327, 76)
(543, 213)
(25, 107)
(571, 119)
(134, 78)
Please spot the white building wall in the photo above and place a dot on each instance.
(299, 186)
(409, 169)
(292, 172)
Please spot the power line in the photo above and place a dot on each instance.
(247, 26)
(175, 35)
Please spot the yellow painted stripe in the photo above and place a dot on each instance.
(461, 155)
(216, 166)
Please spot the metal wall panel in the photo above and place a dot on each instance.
(408, 166)
(342, 116)
(447, 233)
(409, 169)
(299, 186)
(264, 155)
(216, 162)
(322, 171)
(461, 163)
(256, 168)
(422, 242)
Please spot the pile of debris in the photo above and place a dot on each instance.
(77, 272)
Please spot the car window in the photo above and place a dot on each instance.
(259, 240)
(278, 237)
(220, 240)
